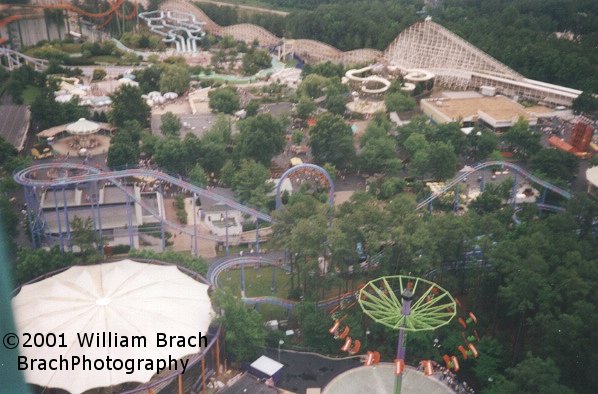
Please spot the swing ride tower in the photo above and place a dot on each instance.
(407, 304)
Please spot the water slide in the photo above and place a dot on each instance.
(352, 75)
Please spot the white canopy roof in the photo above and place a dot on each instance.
(83, 127)
(266, 365)
(125, 298)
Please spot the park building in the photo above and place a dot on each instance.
(119, 220)
(470, 108)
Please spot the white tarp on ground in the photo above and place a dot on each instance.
(126, 298)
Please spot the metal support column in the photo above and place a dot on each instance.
(456, 199)
(406, 296)
(162, 235)
(257, 235)
(226, 229)
(514, 191)
(59, 222)
(195, 251)
(242, 280)
(66, 218)
(482, 184)
(30, 216)
(98, 210)
(129, 221)
(430, 206)
(273, 286)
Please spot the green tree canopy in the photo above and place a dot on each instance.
(305, 107)
(127, 104)
(399, 102)
(524, 140)
(555, 164)
(260, 138)
(331, 141)
(171, 124)
(224, 100)
(243, 328)
(175, 78)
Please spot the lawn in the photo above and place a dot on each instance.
(257, 281)
(30, 94)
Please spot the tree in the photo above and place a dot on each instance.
(171, 124)
(175, 78)
(86, 239)
(481, 143)
(335, 102)
(305, 107)
(532, 375)
(32, 263)
(252, 107)
(149, 78)
(331, 141)
(127, 104)
(260, 138)
(524, 140)
(6, 151)
(379, 155)
(123, 151)
(168, 155)
(555, 164)
(398, 102)
(442, 160)
(250, 183)
(255, 60)
(133, 129)
(313, 86)
(585, 103)
(243, 329)
(47, 112)
(98, 74)
(224, 100)
(198, 176)
(415, 143)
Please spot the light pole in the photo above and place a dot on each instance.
(280, 343)
(367, 333)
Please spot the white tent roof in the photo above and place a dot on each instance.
(266, 365)
(124, 298)
(83, 127)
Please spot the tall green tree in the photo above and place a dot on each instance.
(127, 104)
(171, 124)
(260, 138)
(331, 141)
(243, 328)
(224, 100)
(524, 140)
(175, 78)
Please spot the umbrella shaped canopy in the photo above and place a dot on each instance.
(83, 127)
(125, 298)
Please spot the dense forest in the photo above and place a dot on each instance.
(519, 33)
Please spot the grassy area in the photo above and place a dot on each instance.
(272, 312)
(257, 281)
(30, 94)
(105, 59)
(70, 47)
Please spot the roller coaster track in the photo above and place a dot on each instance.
(12, 59)
(227, 263)
(464, 174)
(25, 178)
(310, 50)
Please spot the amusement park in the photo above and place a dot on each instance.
(297, 197)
